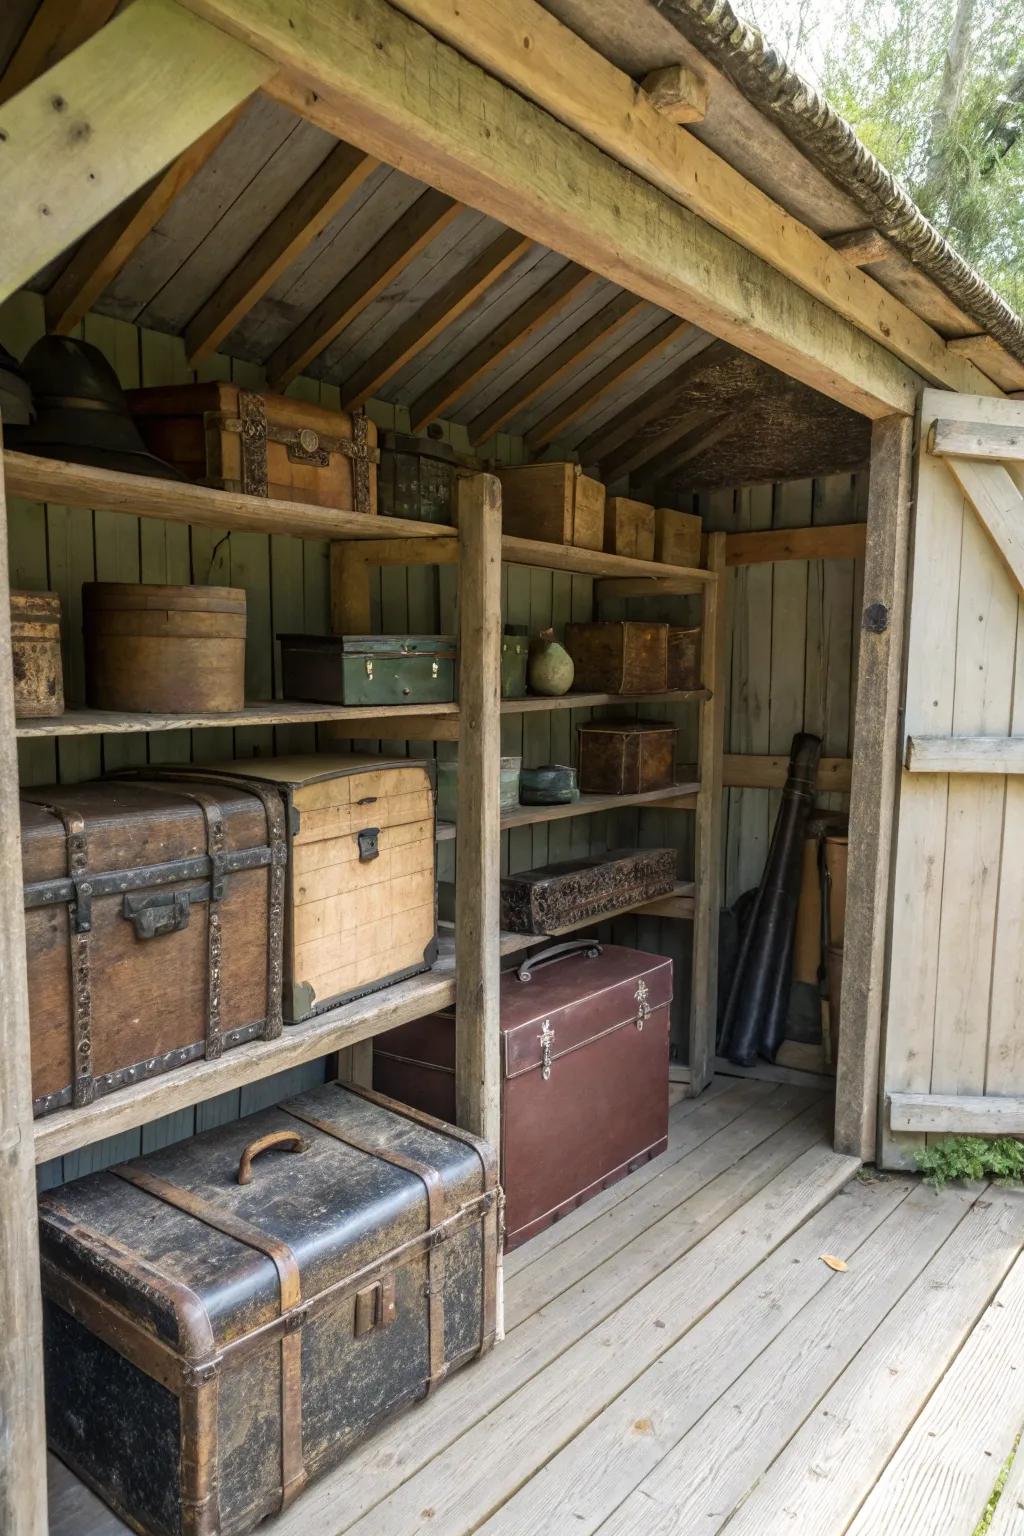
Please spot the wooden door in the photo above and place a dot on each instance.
(954, 1041)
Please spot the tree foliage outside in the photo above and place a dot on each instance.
(935, 89)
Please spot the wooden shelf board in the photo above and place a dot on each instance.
(83, 485)
(588, 805)
(534, 702)
(97, 722)
(69, 1129)
(596, 562)
(676, 903)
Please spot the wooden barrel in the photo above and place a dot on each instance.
(167, 650)
(836, 850)
(35, 645)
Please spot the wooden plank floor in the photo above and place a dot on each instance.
(679, 1359)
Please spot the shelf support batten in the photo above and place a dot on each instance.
(478, 870)
(23, 1442)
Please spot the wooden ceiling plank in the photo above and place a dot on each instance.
(536, 54)
(428, 216)
(370, 75)
(618, 439)
(568, 355)
(533, 313)
(85, 136)
(689, 446)
(432, 317)
(690, 417)
(311, 209)
(617, 372)
(56, 30)
(108, 248)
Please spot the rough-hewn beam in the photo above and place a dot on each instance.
(568, 355)
(103, 121)
(109, 247)
(371, 75)
(56, 30)
(840, 541)
(431, 318)
(677, 93)
(532, 51)
(296, 226)
(618, 371)
(519, 327)
(860, 247)
(393, 252)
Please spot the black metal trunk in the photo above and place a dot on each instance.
(220, 1329)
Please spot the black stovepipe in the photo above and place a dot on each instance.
(755, 1016)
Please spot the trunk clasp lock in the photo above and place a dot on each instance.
(434, 668)
(376, 1306)
(643, 1007)
(547, 1040)
(369, 667)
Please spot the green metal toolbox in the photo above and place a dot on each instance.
(368, 669)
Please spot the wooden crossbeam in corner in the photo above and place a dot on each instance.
(618, 371)
(565, 357)
(297, 225)
(431, 318)
(145, 87)
(838, 541)
(55, 30)
(428, 216)
(950, 437)
(110, 246)
(518, 328)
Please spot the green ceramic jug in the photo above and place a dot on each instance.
(551, 668)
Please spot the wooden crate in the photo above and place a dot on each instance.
(629, 528)
(555, 503)
(677, 537)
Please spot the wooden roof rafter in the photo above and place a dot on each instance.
(308, 212)
(614, 440)
(55, 30)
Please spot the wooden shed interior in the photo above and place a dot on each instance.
(273, 255)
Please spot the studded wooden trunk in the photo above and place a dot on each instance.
(226, 1318)
(154, 915)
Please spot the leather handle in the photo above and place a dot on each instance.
(290, 1140)
(588, 947)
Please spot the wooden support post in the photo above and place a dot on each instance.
(23, 1437)
(478, 872)
(350, 614)
(873, 794)
(708, 853)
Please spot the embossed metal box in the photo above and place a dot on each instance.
(154, 915)
(559, 896)
(585, 1080)
(227, 1317)
(261, 444)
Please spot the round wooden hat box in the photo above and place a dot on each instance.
(168, 650)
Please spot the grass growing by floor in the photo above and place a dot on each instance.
(968, 1158)
(993, 1498)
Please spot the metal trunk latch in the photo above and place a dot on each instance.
(434, 668)
(643, 1007)
(547, 1041)
(367, 840)
(156, 914)
(369, 667)
(375, 1306)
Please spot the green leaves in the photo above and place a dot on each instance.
(969, 1158)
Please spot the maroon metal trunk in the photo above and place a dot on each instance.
(584, 1075)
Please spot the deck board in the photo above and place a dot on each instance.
(678, 1358)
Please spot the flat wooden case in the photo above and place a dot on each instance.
(360, 906)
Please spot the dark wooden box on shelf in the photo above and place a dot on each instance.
(564, 895)
(684, 658)
(677, 537)
(153, 925)
(227, 1317)
(261, 444)
(626, 757)
(584, 1076)
(618, 656)
(369, 669)
(360, 909)
(35, 647)
(164, 649)
(555, 503)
